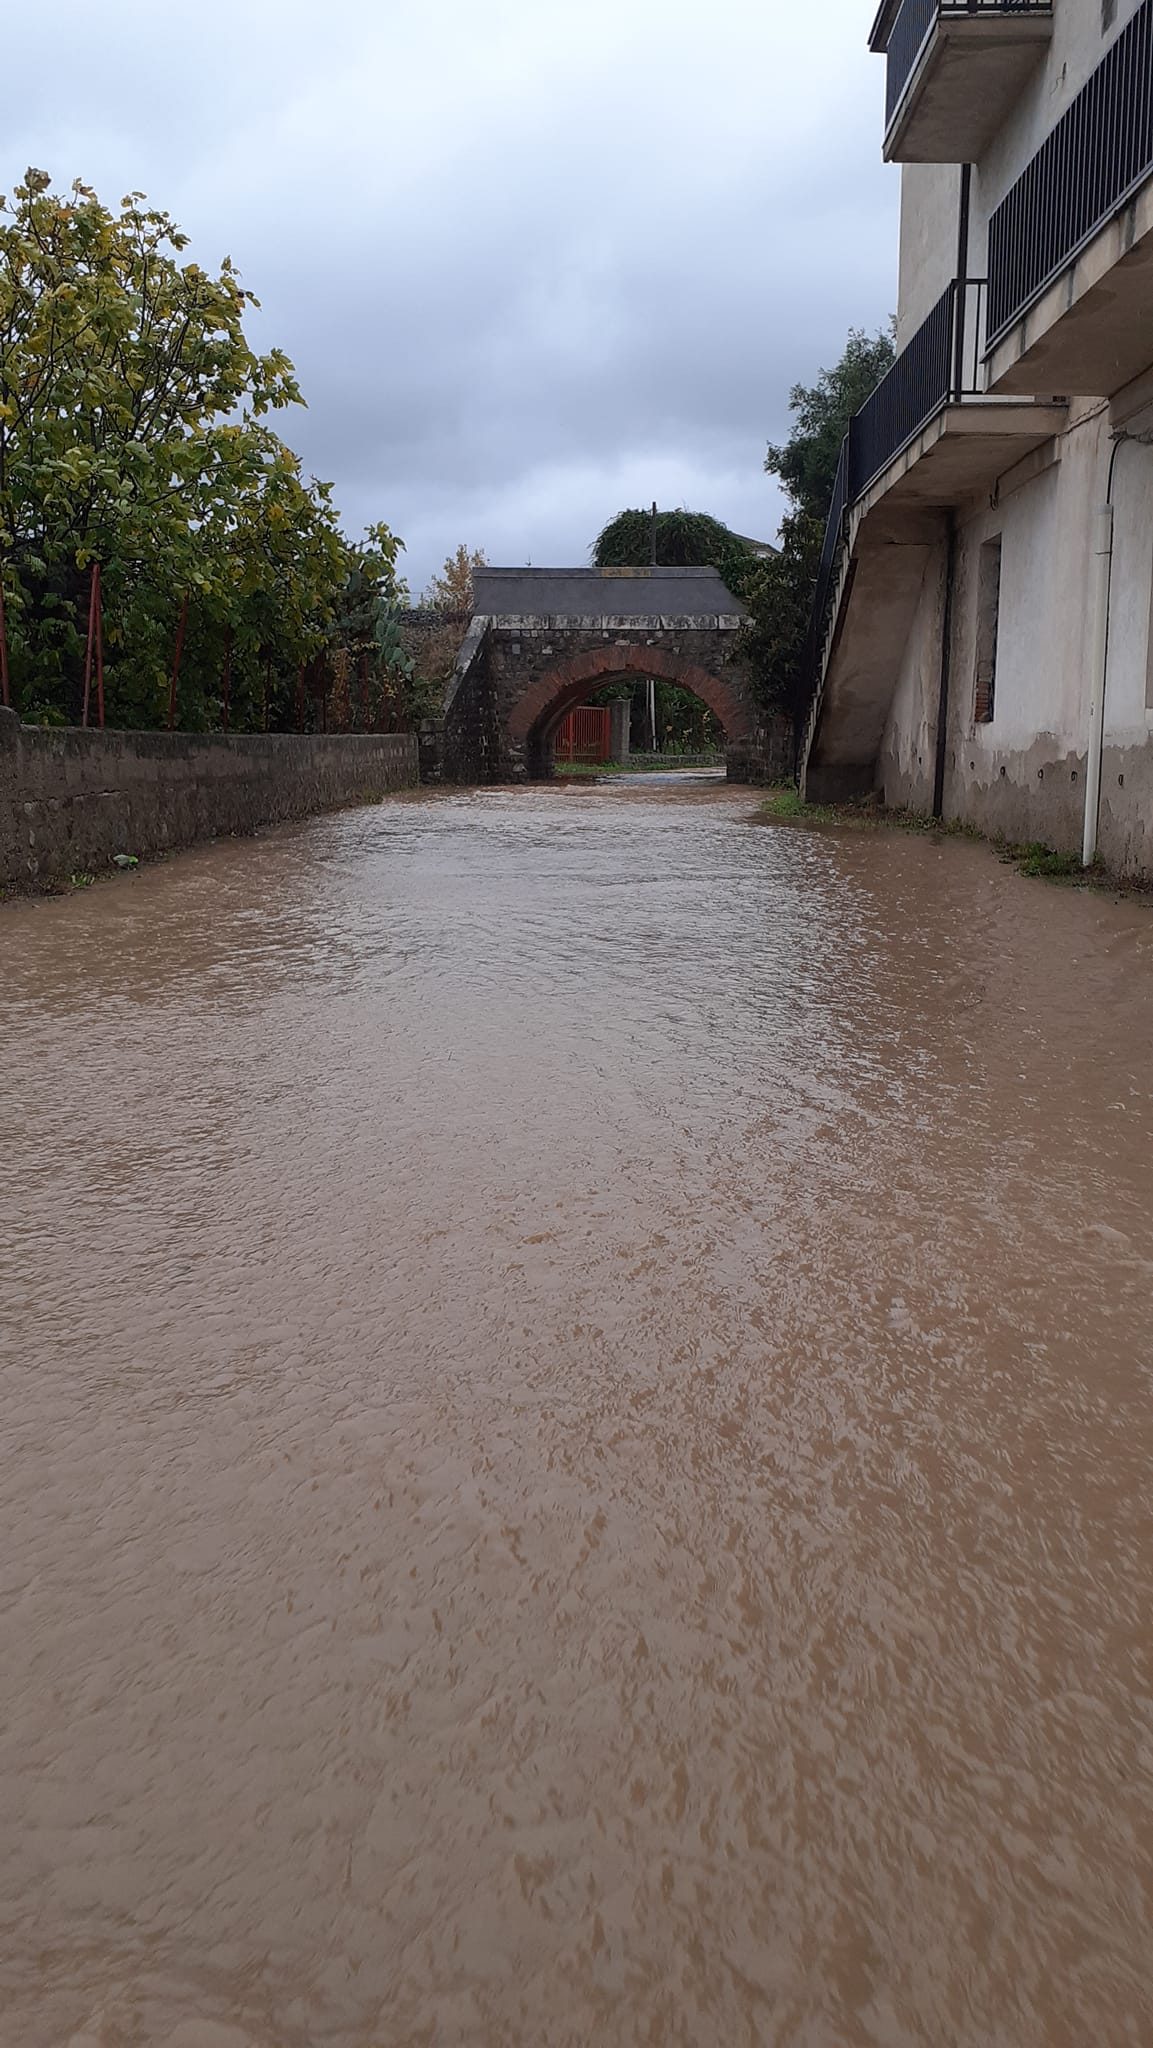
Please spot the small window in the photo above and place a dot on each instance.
(988, 618)
(1108, 15)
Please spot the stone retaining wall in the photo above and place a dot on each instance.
(767, 755)
(70, 800)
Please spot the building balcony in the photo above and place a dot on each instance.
(932, 435)
(955, 69)
(928, 440)
(1071, 244)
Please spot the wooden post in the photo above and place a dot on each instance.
(5, 692)
(176, 665)
(91, 642)
(227, 686)
(98, 602)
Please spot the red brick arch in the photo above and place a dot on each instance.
(547, 700)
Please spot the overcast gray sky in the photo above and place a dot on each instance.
(534, 260)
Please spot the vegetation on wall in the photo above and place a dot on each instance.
(135, 441)
(684, 540)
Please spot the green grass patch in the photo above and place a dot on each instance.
(784, 805)
(584, 771)
(1036, 858)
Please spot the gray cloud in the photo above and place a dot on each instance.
(532, 262)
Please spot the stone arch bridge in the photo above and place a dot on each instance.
(542, 640)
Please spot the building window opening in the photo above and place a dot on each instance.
(988, 619)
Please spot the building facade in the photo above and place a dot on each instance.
(983, 638)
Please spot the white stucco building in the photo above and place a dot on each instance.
(983, 641)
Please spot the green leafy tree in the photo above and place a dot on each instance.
(280, 565)
(133, 434)
(370, 630)
(780, 600)
(780, 593)
(807, 462)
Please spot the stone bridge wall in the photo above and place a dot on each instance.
(517, 678)
(70, 800)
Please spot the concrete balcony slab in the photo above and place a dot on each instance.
(1091, 330)
(962, 451)
(970, 73)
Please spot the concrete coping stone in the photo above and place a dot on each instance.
(700, 573)
(558, 622)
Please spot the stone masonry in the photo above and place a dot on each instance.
(70, 800)
(519, 672)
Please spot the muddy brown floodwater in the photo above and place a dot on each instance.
(577, 1441)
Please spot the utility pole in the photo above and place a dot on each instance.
(652, 705)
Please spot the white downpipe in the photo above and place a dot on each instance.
(1099, 659)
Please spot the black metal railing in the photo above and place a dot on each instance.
(941, 363)
(906, 39)
(834, 528)
(916, 20)
(1085, 171)
(941, 366)
(831, 548)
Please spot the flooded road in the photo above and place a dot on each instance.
(577, 1441)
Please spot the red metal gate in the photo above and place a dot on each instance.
(585, 734)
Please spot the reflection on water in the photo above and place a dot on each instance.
(577, 1432)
